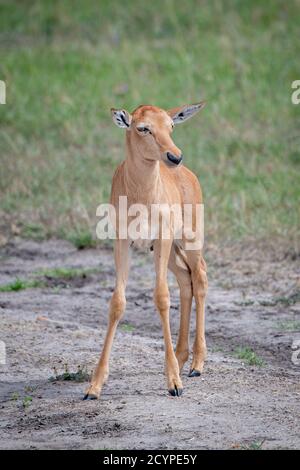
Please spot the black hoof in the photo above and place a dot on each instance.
(90, 397)
(194, 373)
(176, 392)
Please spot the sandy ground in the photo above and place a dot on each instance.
(251, 302)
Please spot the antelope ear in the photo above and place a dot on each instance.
(182, 113)
(121, 118)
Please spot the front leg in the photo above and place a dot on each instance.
(162, 250)
(117, 307)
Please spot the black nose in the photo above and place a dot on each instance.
(174, 159)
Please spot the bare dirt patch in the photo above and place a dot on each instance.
(253, 302)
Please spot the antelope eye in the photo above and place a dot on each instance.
(144, 130)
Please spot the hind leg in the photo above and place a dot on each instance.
(162, 248)
(181, 271)
(199, 281)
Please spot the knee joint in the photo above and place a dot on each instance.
(162, 298)
(117, 306)
(200, 283)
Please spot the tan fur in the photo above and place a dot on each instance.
(145, 178)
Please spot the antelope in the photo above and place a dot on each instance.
(152, 173)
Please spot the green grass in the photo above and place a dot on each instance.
(127, 327)
(20, 284)
(289, 325)
(81, 375)
(66, 63)
(245, 303)
(286, 301)
(256, 445)
(27, 401)
(55, 273)
(248, 356)
(35, 231)
(65, 273)
(81, 239)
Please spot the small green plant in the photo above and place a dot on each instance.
(283, 300)
(247, 355)
(127, 327)
(27, 401)
(244, 303)
(65, 273)
(216, 349)
(81, 375)
(289, 325)
(56, 289)
(30, 388)
(14, 396)
(255, 445)
(33, 231)
(21, 284)
(81, 239)
(289, 300)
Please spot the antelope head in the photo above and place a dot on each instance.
(149, 130)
